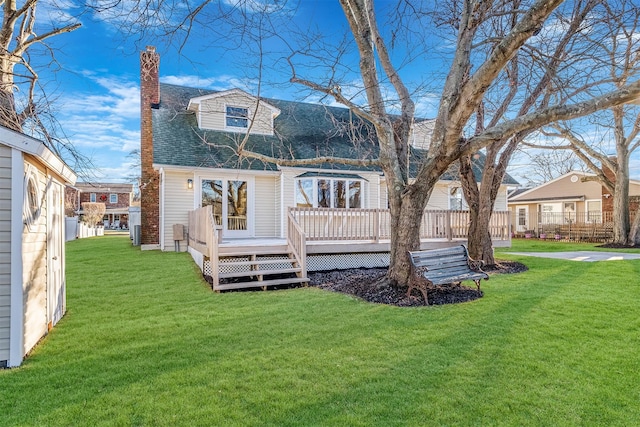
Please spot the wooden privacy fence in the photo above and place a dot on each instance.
(592, 226)
(375, 224)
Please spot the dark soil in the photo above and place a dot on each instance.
(368, 284)
(618, 246)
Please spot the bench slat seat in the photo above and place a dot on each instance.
(444, 266)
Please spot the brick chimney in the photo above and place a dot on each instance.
(150, 179)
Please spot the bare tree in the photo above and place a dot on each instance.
(546, 165)
(606, 140)
(545, 54)
(24, 51)
(389, 104)
(93, 212)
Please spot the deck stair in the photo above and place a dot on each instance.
(258, 267)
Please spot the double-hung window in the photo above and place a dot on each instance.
(456, 199)
(92, 197)
(328, 193)
(237, 117)
(113, 198)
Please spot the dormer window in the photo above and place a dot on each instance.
(237, 117)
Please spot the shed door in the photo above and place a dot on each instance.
(55, 252)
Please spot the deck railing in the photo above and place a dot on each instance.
(297, 241)
(374, 224)
(204, 236)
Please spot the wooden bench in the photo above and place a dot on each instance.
(443, 266)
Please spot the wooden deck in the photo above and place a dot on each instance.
(231, 246)
(333, 238)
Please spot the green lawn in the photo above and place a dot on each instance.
(146, 342)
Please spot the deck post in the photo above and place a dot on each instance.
(376, 225)
(212, 245)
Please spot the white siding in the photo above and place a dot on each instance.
(501, 200)
(178, 201)
(439, 199)
(212, 113)
(420, 136)
(267, 206)
(34, 276)
(5, 249)
(288, 187)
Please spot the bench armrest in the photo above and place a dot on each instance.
(476, 264)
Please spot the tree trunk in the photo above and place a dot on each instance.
(634, 234)
(406, 237)
(406, 205)
(621, 220)
(479, 237)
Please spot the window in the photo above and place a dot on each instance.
(92, 197)
(569, 209)
(328, 193)
(548, 216)
(31, 202)
(456, 201)
(237, 117)
(304, 193)
(594, 210)
(113, 198)
(522, 217)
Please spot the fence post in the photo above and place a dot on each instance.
(448, 225)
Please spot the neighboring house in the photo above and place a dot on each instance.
(32, 255)
(569, 199)
(116, 197)
(189, 150)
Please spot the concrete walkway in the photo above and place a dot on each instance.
(588, 256)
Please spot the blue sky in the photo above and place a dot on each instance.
(97, 89)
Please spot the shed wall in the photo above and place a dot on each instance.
(34, 276)
(5, 250)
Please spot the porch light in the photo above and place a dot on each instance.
(189, 183)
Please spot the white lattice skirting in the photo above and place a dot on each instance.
(317, 262)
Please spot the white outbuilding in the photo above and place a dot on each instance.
(32, 255)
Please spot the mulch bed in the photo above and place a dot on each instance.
(368, 284)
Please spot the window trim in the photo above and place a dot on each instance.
(111, 197)
(450, 195)
(227, 116)
(588, 213)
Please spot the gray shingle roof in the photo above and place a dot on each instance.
(301, 131)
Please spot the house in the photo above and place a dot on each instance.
(573, 198)
(190, 140)
(117, 198)
(32, 255)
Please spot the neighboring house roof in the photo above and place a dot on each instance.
(301, 131)
(529, 195)
(517, 191)
(107, 187)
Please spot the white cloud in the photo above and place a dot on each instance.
(222, 82)
(104, 124)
